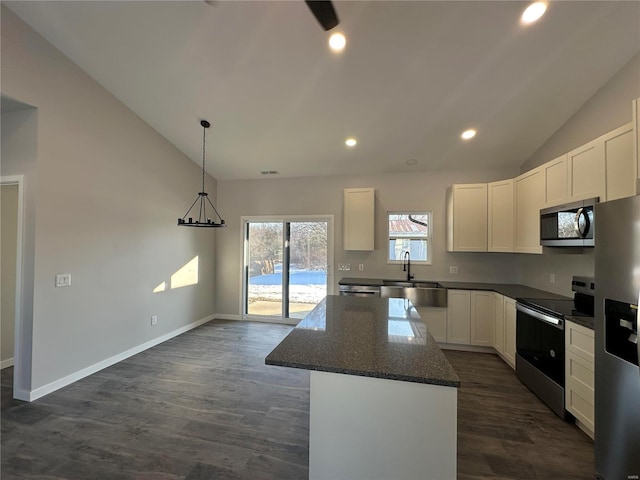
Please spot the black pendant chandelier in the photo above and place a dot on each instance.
(203, 220)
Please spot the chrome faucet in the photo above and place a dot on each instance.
(406, 265)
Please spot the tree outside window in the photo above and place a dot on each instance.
(409, 232)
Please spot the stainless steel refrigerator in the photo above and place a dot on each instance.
(617, 376)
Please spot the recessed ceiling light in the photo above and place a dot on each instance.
(350, 142)
(468, 134)
(337, 42)
(533, 12)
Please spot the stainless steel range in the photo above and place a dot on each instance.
(540, 345)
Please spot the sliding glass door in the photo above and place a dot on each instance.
(286, 265)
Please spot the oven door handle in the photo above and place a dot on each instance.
(556, 322)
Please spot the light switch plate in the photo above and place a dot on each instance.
(63, 280)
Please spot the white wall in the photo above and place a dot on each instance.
(324, 195)
(108, 192)
(607, 110)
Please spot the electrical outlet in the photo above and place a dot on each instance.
(552, 278)
(154, 319)
(361, 267)
(453, 269)
(63, 280)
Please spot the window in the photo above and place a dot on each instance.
(285, 265)
(409, 232)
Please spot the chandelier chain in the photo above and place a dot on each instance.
(204, 139)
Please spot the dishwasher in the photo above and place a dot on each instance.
(360, 290)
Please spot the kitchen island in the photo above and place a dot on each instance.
(383, 396)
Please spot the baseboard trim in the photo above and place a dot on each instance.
(279, 321)
(21, 394)
(466, 348)
(6, 363)
(586, 430)
(227, 316)
(39, 392)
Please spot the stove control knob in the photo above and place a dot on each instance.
(552, 353)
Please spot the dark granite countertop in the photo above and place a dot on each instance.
(371, 337)
(507, 289)
(510, 290)
(586, 322)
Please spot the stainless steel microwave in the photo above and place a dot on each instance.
(568, 225)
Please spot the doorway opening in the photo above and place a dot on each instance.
(9, 198)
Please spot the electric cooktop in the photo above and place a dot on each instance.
(554, 307)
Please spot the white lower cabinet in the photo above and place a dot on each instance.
(482, 318)
(470, 317)
(436, 320)
(459, 316)
(498, 323)
(504, 328)
(579, 375)
(510, 331)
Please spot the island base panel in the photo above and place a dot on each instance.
(366, 428)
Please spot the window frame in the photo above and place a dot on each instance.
(428, 238)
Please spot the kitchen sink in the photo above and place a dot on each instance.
(397, 283)
(421, 294)
(417, 284)
(427, 285)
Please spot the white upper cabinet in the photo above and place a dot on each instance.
(605, 167)
(529, 199)
(501, 216)
(555, 173)
(586, 171)
(359, 216)
(620, 164)
(467, 218)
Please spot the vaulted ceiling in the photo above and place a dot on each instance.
(413, 76)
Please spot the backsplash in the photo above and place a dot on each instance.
(562, 263)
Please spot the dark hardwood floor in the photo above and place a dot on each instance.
(204, 406)
(506, 432)
(200, 406)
